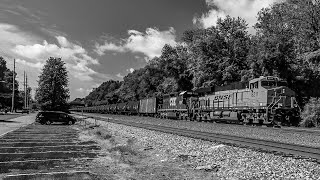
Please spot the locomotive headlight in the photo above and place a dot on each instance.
(283, 91)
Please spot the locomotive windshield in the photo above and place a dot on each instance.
(271, 84)
(268, 84)
(282, 83)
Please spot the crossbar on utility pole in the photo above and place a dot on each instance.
(13, 80)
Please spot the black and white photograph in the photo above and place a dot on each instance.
(159, 89)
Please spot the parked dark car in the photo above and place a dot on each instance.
(49, 117)
(25, 111)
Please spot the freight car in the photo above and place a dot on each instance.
(149, 106)
(263, 100)
(132, 108)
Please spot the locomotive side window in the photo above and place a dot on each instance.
(254, 85)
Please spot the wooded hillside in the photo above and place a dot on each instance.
(286, 44)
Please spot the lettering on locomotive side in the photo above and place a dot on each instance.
(222, 97)
(173, 101)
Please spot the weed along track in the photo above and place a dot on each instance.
(49, 152)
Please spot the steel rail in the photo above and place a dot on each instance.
(284, 129)
(286, 149)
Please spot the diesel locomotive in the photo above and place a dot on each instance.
(264, 100)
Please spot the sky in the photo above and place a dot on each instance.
(101, 40)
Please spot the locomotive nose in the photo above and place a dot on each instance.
(283, 91)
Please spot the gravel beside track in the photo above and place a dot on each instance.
(266, 133)
(223, 162)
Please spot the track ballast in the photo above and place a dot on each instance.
(280, 148)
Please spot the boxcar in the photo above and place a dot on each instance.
(149, 106)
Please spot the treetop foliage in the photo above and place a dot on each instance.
(52, 92)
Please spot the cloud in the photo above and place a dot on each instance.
(37, 65)
(130, 70)
(31, 52)
(80, 90)
(120, 76)
(246, 9)
(64, 42)
(11, 35)
(76, 57)
(149, 43)
(84, 92)
(108, 47)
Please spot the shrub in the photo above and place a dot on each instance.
(311, 113)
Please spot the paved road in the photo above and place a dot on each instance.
(8, 124)
(37, 151)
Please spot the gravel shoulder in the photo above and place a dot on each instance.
(266, 133)
(134, 153)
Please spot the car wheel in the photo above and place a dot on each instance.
(48, 122)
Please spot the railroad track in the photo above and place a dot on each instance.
(280, 148)
(283, 129)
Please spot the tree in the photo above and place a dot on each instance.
(218, 55)
(52, 92)
(104, 92)
(6, 77)
(311, 113)
(288, 44)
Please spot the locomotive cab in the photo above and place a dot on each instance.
(271, 91)
(272, 96)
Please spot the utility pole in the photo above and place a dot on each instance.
(13, 80)
(24, 89)
(27, 98)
